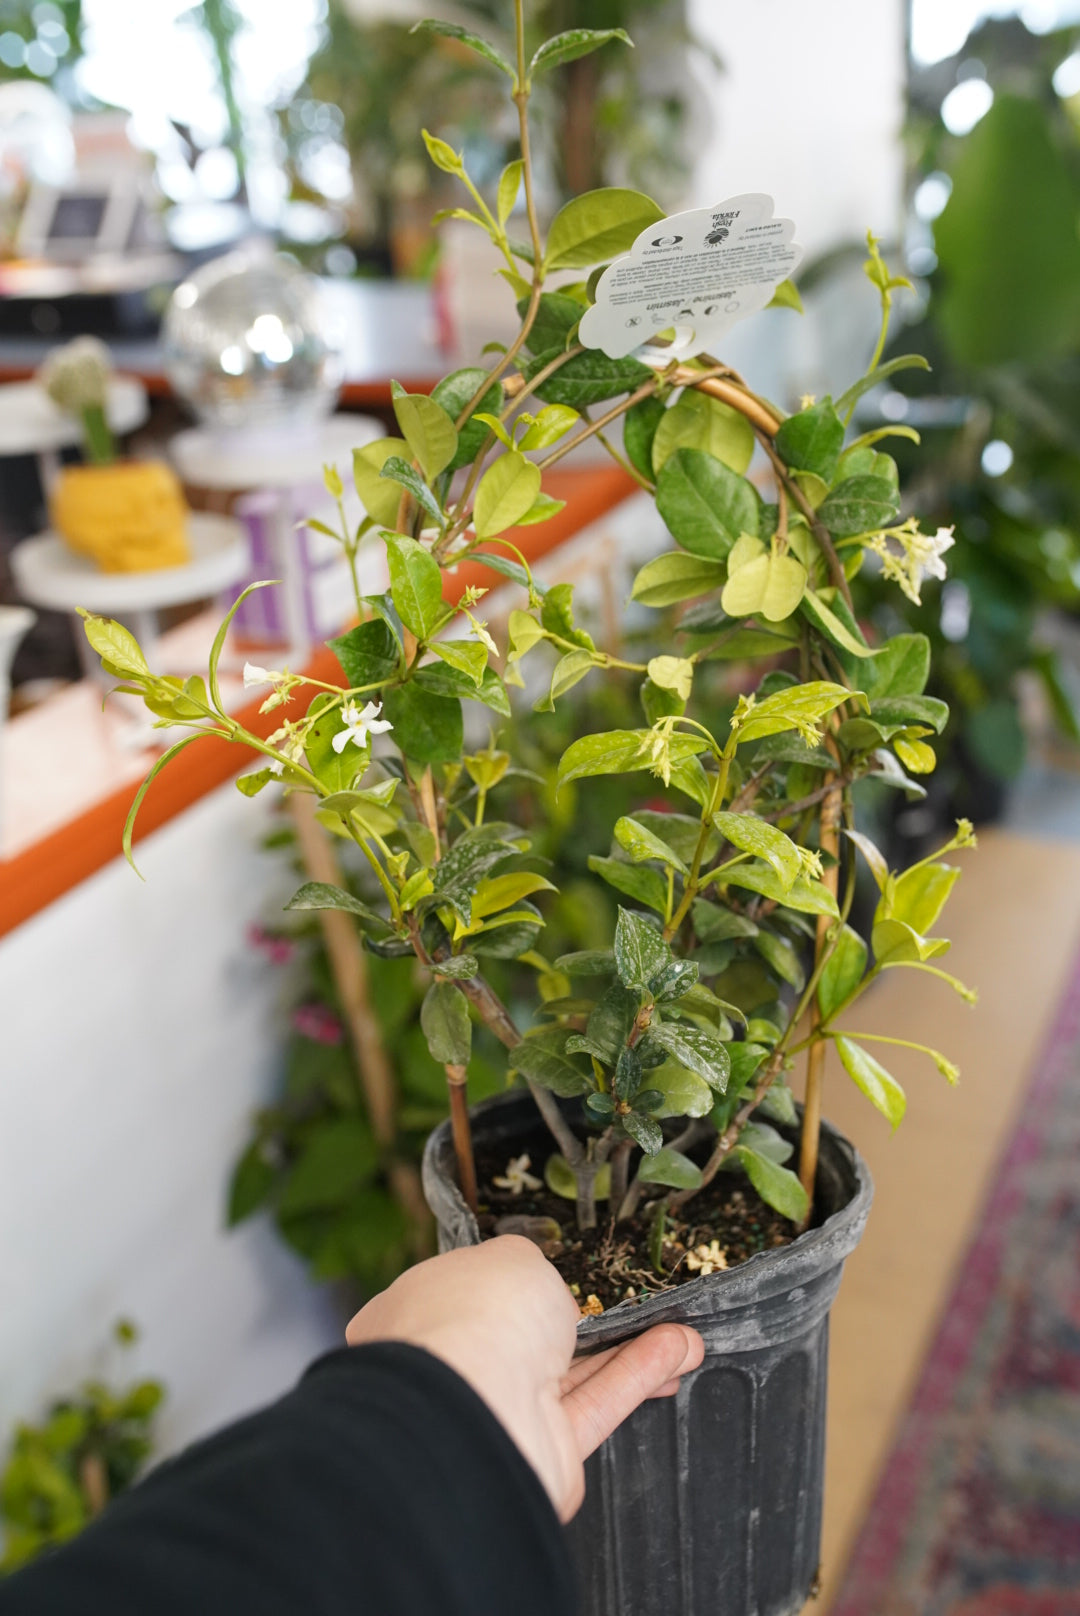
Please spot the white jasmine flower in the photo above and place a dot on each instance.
(480, 629)
(360, 724)
(517, 1176)
(710, 1259)
(254, 676)
(921, 556)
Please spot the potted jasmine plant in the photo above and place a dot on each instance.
(648, 1137)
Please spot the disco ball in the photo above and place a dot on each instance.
(248, 343)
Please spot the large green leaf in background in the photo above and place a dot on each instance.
(1007, 241)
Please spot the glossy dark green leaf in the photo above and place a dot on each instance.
(811, 440)
(453, 393)
(575, 42)
(705, 505)
(587, 378)
(427, 728)
(453, 30)
(639, 429)
(368, 653)
(859, 505)
(556, 317)
(645, 1131)
(640, 952)
(672, 1168)
(778, 1186)
(415, 584)
(543, 1059)
(636, 881)
(696, 1049)
(321, 895)
(444, 1017)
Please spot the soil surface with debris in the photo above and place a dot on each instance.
(723, 1225)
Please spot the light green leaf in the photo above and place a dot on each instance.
(129, 823)
(705, 505)
(672, 673)
(116, 646)
(569, 46)
(843, 972)
(509, 186)
(896, 943)
(786, 296)
(442, 155)
(670, 1167)
(761, 582)
(805, 895)
(873, 855)
(506, 491)
(415, 585)
(642, 844)
(848, 400)
(918, 896)
(379, 497)
(798, 704)
(542, 509)
(879, 1086)
(674, 577)
(778, 1186)
(621, 751)
(699, 421)
(553, 422)
(468, 656)
(497, 892)
(685, 1094)
(568, 671)
(753, 835)
(830, 625)
(598, 225)
(427, 429)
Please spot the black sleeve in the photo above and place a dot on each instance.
(381, 1486)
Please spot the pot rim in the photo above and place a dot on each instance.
(823, 1247)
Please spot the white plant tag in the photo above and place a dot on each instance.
(700, 272)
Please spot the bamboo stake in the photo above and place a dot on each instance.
(456, 1077)
(829, 838)
(351, 979)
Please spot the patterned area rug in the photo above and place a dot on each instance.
(978, 1512)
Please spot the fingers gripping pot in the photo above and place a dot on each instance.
(708, 1502)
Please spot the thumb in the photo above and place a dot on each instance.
(636, 1371)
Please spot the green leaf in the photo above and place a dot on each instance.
(453, 393)
(338, 1158)
(896, 943)
(496, 892)
(427, 429)
(752, 835)
(704, 504)
(444, 1017)
(672, 673)
(900, 668)
(368, 654)
(699, 1051)
(815, 608)
(557, 616)
(468, 656)
(553, 422)
(640, 952)
(918, 896)
(778, 1186)
(642, 844)
(505, 493)
(809, 897)
(876, 860)
(427, 728)
(859, 505)
(848, 400)
(162, 762)
(249, 785)
(556, 317)
(415, 585)
(321, 895)
(509, 186)
(906, 710)
(672, 1168)
(453, 30)
(569, 46)
(684, 1093)
(442, 154)
(799, 704)
(645, 1132)
(568, 671)
(587, 378)
(379, 497)
(116, 646)
(634, 880)
(621, 751)
(253, 1178)
(712, 924)
(879, 1086)
(639, 429)
(699, 421)
(542, 509)
(399, 471)
(674, 576)
(543, 1059)
(336, 771)
(599, 224)
(781, 958)
(443, 680)
(786, 296)
(812, 439)
(842, 974)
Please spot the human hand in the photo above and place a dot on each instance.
(502, 1317)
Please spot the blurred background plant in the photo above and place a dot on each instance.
(91, 1445)
(992, 243)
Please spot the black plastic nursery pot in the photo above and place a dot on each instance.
(708, 1503)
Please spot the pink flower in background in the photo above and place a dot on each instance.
(317, 1022)
(277, 949)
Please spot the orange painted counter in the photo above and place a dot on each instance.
(42, 868)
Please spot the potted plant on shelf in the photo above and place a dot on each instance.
(652, 1141)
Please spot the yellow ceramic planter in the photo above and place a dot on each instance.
(129, 517)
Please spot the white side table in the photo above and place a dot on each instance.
(283, 466)
(31, 424)
(49, 574)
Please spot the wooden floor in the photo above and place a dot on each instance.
(1014, 919)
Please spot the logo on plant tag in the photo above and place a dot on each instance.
(692, 281)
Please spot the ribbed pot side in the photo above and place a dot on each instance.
(707, 1503)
